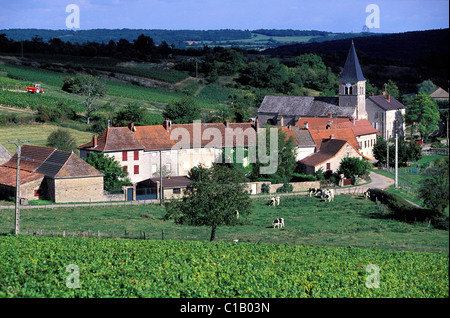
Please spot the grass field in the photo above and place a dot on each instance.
(37, 134)
(348, 221)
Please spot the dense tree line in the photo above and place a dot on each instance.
(105, 35)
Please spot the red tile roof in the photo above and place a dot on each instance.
(334, 133)
(8, 176)
(157, 137)
(37, 162)
(360, 127)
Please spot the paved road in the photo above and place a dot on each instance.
(378, 181)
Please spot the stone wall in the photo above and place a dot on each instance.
(78, 189)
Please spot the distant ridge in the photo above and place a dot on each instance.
(408, 46)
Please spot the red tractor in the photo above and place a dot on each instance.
(36, 88)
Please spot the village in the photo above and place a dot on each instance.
(324, 131)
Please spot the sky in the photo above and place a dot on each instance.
(390, 16)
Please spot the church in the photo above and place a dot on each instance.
(382, 111)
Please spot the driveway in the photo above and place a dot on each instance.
(378, 181)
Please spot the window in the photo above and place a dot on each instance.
(124, 156)
(328, 165)
(136, 169)
(136, 155)
(176, 191)
(36, 193)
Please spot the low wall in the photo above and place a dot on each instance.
(297, 186)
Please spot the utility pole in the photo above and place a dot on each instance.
(396, 160)
(18, 144)
(160, 179)
(387, 154)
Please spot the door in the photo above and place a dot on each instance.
(130, 194)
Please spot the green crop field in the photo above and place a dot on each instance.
(80, 267)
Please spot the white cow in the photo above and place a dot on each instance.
(273, 201)
(278, 223)
(329, 194)
(237, 214)
(277, 199)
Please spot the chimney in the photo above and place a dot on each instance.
(227, 123)
(353, 120)
(257, 124)
(331, 136)
(330, 115)
(372, 94)
(94, 141)
(305, 125)
(388, 97)
(167, 124)
(384, 93)
(168, 177)
(131, 126)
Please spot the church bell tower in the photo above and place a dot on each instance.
(352, 85)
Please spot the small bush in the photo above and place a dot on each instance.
(265, 188)
(285, 188)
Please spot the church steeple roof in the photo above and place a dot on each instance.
(352, 70)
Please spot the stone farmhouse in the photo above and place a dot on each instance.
(50, 174)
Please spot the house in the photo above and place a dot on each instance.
(329, 156)
(360, 133)
(302, 139)
(439, 94)
(386, 114)
(51, 174)
(175, 148)
(4, 155)
(172, 187)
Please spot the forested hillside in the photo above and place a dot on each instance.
(406, 58)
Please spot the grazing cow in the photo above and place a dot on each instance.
(277, 199)
(272, 201)
(278, 223)
(367, 194)
(329, 195)
(314, 190)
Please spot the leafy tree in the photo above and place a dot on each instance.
(114, 176)
(379, 150)
(426, 87)
(211, 198)
(183, 111)
(89, 86)
(435, 186)
(392, 89)
(423, 113)
(351, 167)
(136, 113)
(61, 139)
